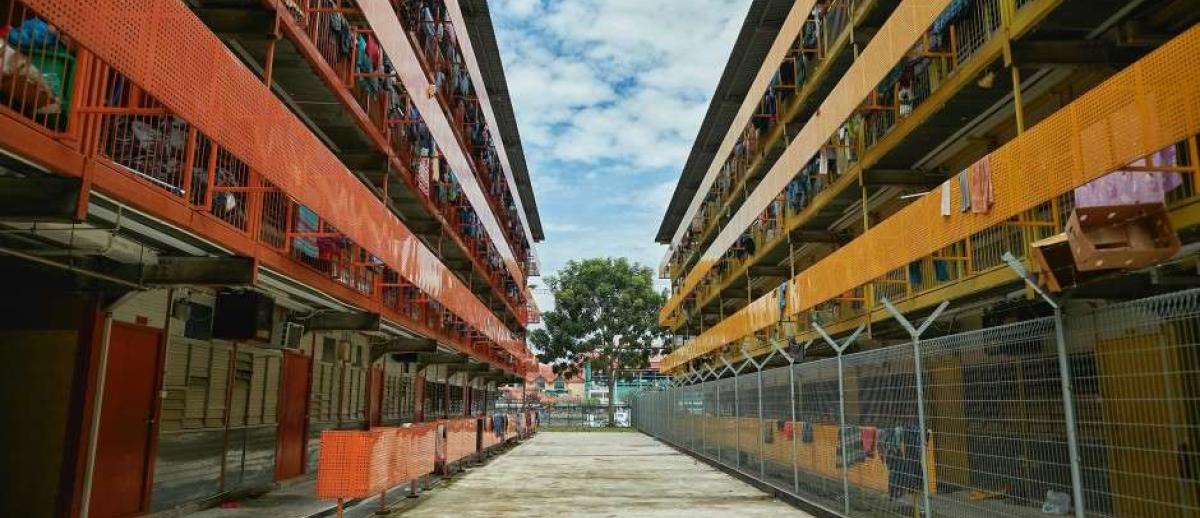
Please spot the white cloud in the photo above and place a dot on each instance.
(609, 95)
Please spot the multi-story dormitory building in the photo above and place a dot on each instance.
(865, 151)
(230, 225)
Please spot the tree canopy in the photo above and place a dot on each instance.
(605, 314)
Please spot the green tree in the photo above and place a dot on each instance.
(606, 315)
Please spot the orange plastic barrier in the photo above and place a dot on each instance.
(421, 451)
(358, 464)
(354, 464)
(460, 438)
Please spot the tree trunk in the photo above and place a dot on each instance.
(612, 393)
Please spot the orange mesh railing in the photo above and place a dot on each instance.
(419, 76)
(181, 143)
(389, 110)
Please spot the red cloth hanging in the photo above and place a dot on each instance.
(868, 439)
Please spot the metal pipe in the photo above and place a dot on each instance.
(94, 428)
(97, 406)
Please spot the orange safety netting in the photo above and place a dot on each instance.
(353, 464)
(358, 464)
(460, 438)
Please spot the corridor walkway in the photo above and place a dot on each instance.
(597, 474)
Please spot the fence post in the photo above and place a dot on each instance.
(717, 383)
(691, 401)
(762, 466)
(915, 333)
(709, 379)
(792, 403)
(737, 415)
(839, 349)
(1068, 391)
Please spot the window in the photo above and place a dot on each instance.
(328, 350)
(199, 321)
(559, 384)
(541, 382)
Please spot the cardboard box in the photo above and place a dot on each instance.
(1055, 264)
(1121, 237)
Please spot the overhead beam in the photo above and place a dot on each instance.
(491, 374)
(412, 345)
(233, 21)
(815, 236)
(1073, 53)
(466, 367)
(426, 359)
(343, 321)
(39, 198)
(901, 178)
(770, 271)
(403, 345)
(209, 271)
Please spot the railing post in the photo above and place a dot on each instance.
(1068, 391)
(916, 333)
(839, 349)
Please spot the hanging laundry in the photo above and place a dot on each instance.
(34, 33)
(868, 440)
(914, 273)
(852, 449)
(941, 270)
(1132, 187)
(981, 186)
(423, 167)
(964, 190)
(340, 27)
(906, 100)
(789, 430)
(945, 199)
(373, 53)
(948, 16)
(806, 432)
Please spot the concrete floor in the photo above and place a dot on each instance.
(596, 474)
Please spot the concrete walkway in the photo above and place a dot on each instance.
(596, 474)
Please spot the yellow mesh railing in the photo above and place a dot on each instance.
(1150, 105)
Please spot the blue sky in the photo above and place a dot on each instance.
(608, 96)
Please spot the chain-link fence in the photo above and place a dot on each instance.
(583, 415)
(976, 424)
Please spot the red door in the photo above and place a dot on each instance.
(124, 452)
(376, 393)
(293, 416)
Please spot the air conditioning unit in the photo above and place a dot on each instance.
(286, 335)
(243, 315)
